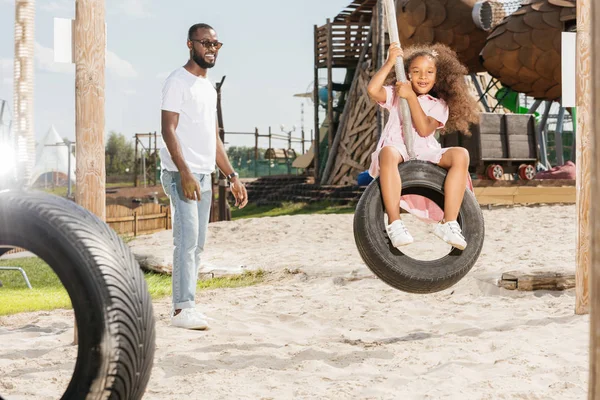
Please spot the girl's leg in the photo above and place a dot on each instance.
(456, 161)
(391, 184)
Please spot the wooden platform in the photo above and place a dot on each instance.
(510, 195)
(537, 281)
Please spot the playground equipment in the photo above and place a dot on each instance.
(398, 269)
(355, 40)
(422, 179)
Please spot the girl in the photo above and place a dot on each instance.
(438, 98)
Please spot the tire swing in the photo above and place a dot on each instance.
(113, 309)
(418, 178)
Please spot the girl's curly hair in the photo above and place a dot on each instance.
(450, 85)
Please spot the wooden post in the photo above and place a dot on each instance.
(584, 136)
(256, 152)
(331, 129)
(287, 151)
(135, 163)
(223, 205)
(89, 42)
(270, 160)
(593, 51)
(90, 58)
(317, 141)
(302, 129)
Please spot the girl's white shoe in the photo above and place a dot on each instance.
(451, 233)
(398, 234)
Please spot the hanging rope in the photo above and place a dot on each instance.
(390, 12)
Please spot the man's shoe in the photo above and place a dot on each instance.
(189, 318)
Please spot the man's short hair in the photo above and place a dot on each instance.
(195, 27)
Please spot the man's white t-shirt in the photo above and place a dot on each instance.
(195, 100)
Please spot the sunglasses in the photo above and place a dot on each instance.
(207, 43)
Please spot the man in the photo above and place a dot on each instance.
(191, 147)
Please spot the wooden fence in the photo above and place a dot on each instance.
(146, 219)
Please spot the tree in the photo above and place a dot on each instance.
(119, 154)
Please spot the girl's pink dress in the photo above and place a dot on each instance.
(425, 148)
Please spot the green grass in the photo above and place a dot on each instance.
(58, 190)
(48, 292)
(322, 207)
(159, 285)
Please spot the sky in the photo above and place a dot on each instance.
(267, 57)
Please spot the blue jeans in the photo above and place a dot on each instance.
(190, 223)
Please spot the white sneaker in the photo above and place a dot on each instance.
(451, 233)
(189, 318)
(398, 234)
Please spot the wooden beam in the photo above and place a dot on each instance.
(224, 211)
(583, 143)
(510, 195)
(331, 129)
(317, 140)
(538, 280)
(593, 74)
(90, 40)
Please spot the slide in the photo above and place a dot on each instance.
(305, 160)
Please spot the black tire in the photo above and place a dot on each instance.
(394, 267)
(113, 309)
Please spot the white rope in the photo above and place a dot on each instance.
(390, 12)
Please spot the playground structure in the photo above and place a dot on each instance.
(356, 41)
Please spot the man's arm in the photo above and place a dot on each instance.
(237, 187)
(222, 159)
(191, 187)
